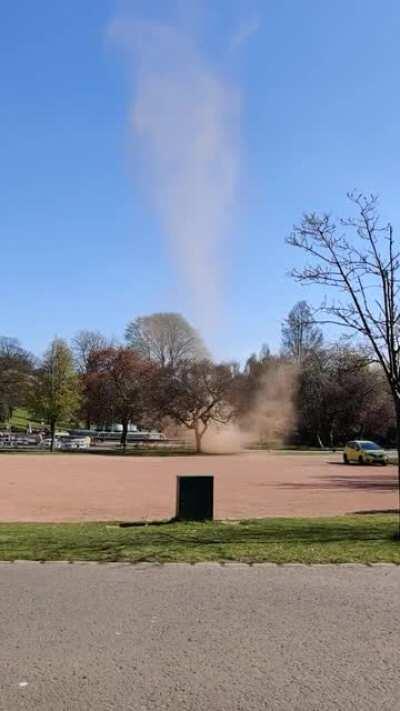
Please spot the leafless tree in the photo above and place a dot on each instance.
(340, 396)
(194, 394)
(300, 334)
(165, 339)
(358, 258)
(84, 343)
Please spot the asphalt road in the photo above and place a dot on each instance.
(135, 638)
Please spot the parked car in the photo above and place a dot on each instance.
(46, 443)
(364, 452)
(25, 441)
(76, 443)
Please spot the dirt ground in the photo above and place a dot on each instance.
(98, 488)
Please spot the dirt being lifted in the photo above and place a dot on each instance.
(247, 485)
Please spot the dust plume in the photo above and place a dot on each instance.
(270, 419)
(272, 415)
(224, 439)
(185, 119)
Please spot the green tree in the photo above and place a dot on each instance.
(16, 367)
(55, 394)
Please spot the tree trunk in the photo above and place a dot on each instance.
(198, 437)
(397, 405)
(124, 435)
(52, 435)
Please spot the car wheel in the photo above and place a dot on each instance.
(345, 459)
(360, 460)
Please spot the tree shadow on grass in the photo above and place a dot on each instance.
(255, 534)
(211, 542)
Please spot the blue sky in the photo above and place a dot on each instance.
(83, 244)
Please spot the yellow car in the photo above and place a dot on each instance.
(364, 452)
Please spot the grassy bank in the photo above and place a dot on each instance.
(20, 420)
(362, 538)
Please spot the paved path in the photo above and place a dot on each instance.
(177, 637)
(81, 487)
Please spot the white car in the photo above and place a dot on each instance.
(46, 443)
(76, 443)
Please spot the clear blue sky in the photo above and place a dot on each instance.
(82, 245)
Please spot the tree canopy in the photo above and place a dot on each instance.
(16, 368)
(165, 338)
(55, 392)
(194, 394)
(300, 333)
(117, 388)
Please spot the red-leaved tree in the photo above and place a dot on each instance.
(117, 388)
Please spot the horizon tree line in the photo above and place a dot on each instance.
(164, 374)
(348, 388)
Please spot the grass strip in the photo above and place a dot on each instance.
(346, 539)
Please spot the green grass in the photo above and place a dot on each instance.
(21, 419)
(361, 539)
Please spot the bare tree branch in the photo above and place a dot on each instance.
(362, 263)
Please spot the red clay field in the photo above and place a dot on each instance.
(249, 485)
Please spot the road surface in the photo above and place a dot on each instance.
(87, 487)
(223, 638)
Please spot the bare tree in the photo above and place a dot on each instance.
(341, 396)
(84, 343)
(196, 394)
(300, 334)
(165, 338)
(364, 269)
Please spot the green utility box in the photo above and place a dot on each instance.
(195, 498)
